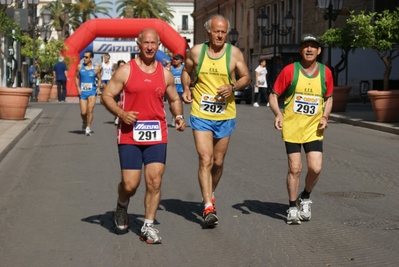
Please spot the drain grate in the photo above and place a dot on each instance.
(354, 194)
(382, 224)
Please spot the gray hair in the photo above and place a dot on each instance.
(207, 23)
(61, 58)
(140, 37)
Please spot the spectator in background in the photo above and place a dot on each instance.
(34, 76)
(60, 77)
(261, 82)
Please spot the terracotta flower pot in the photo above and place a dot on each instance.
(385, 105)
(340, 98)
(44, 93)
(53, 93)
(13, 102)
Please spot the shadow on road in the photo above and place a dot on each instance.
(80, 132)
(191, 211)
(271, 209)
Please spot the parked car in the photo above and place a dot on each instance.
(244, 95)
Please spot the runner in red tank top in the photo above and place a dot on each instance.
(142, 129)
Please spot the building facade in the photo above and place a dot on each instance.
(183, 22)
(308, 18)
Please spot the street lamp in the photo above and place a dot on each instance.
(34, 4)
(262, 20)
(233, 34)
(45, 31)
(330, 12)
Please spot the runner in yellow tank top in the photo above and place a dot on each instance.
(304, 106)
(308, 87)
(213, 118)
(211, 74)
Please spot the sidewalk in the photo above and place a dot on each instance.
(362, 115)
(356, 114)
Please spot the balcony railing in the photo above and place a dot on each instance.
(185, 29)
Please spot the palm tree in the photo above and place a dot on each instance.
(158, 9)
(60, 15)
(67, 16)
(85, 9)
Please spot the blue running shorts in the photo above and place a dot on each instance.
(132, 157)
(86, 95)
(220, 129)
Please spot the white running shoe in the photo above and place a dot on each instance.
(292, 216)
(256, 104)
(116, 121)
(88, 131)
(150, 235)
(173, 122)
(268, 105)
(305, 211)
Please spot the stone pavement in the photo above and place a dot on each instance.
(56, 213)
(356, 114)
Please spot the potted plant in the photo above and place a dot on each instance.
(380, 32)
(13, 101)
(47, 53)
(341, 38)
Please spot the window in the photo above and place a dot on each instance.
(184, 23)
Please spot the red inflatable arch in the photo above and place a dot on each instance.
(117, 28)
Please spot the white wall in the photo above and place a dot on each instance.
(363, 65)
(180, 9)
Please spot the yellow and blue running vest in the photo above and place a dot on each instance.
(304, 106)
(211, 74)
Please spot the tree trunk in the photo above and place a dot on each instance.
(387, 72)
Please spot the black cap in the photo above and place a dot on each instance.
(308, 37)
(178, 56)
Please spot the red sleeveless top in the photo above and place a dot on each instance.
(144, 93)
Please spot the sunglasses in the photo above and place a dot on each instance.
(85, 57)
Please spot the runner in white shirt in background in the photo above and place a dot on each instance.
(107, 69)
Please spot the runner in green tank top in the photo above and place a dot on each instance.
(308, 87)
(213, 109)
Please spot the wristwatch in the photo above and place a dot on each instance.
(180, 117)
(233, 87)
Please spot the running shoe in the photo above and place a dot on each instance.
(121, 218)
(173, 122)
(210, 217)
(84, 125)
(256, 104)
(214, 207)
(292, 216)
(88, 131)
(305, 212)
(150, 235)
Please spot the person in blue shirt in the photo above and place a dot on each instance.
(33, 77)
(87, 86)
(176, 70)
(60, 77)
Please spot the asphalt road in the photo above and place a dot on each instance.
(58, 193)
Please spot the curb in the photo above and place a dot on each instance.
(383, 127)
(13, 130)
